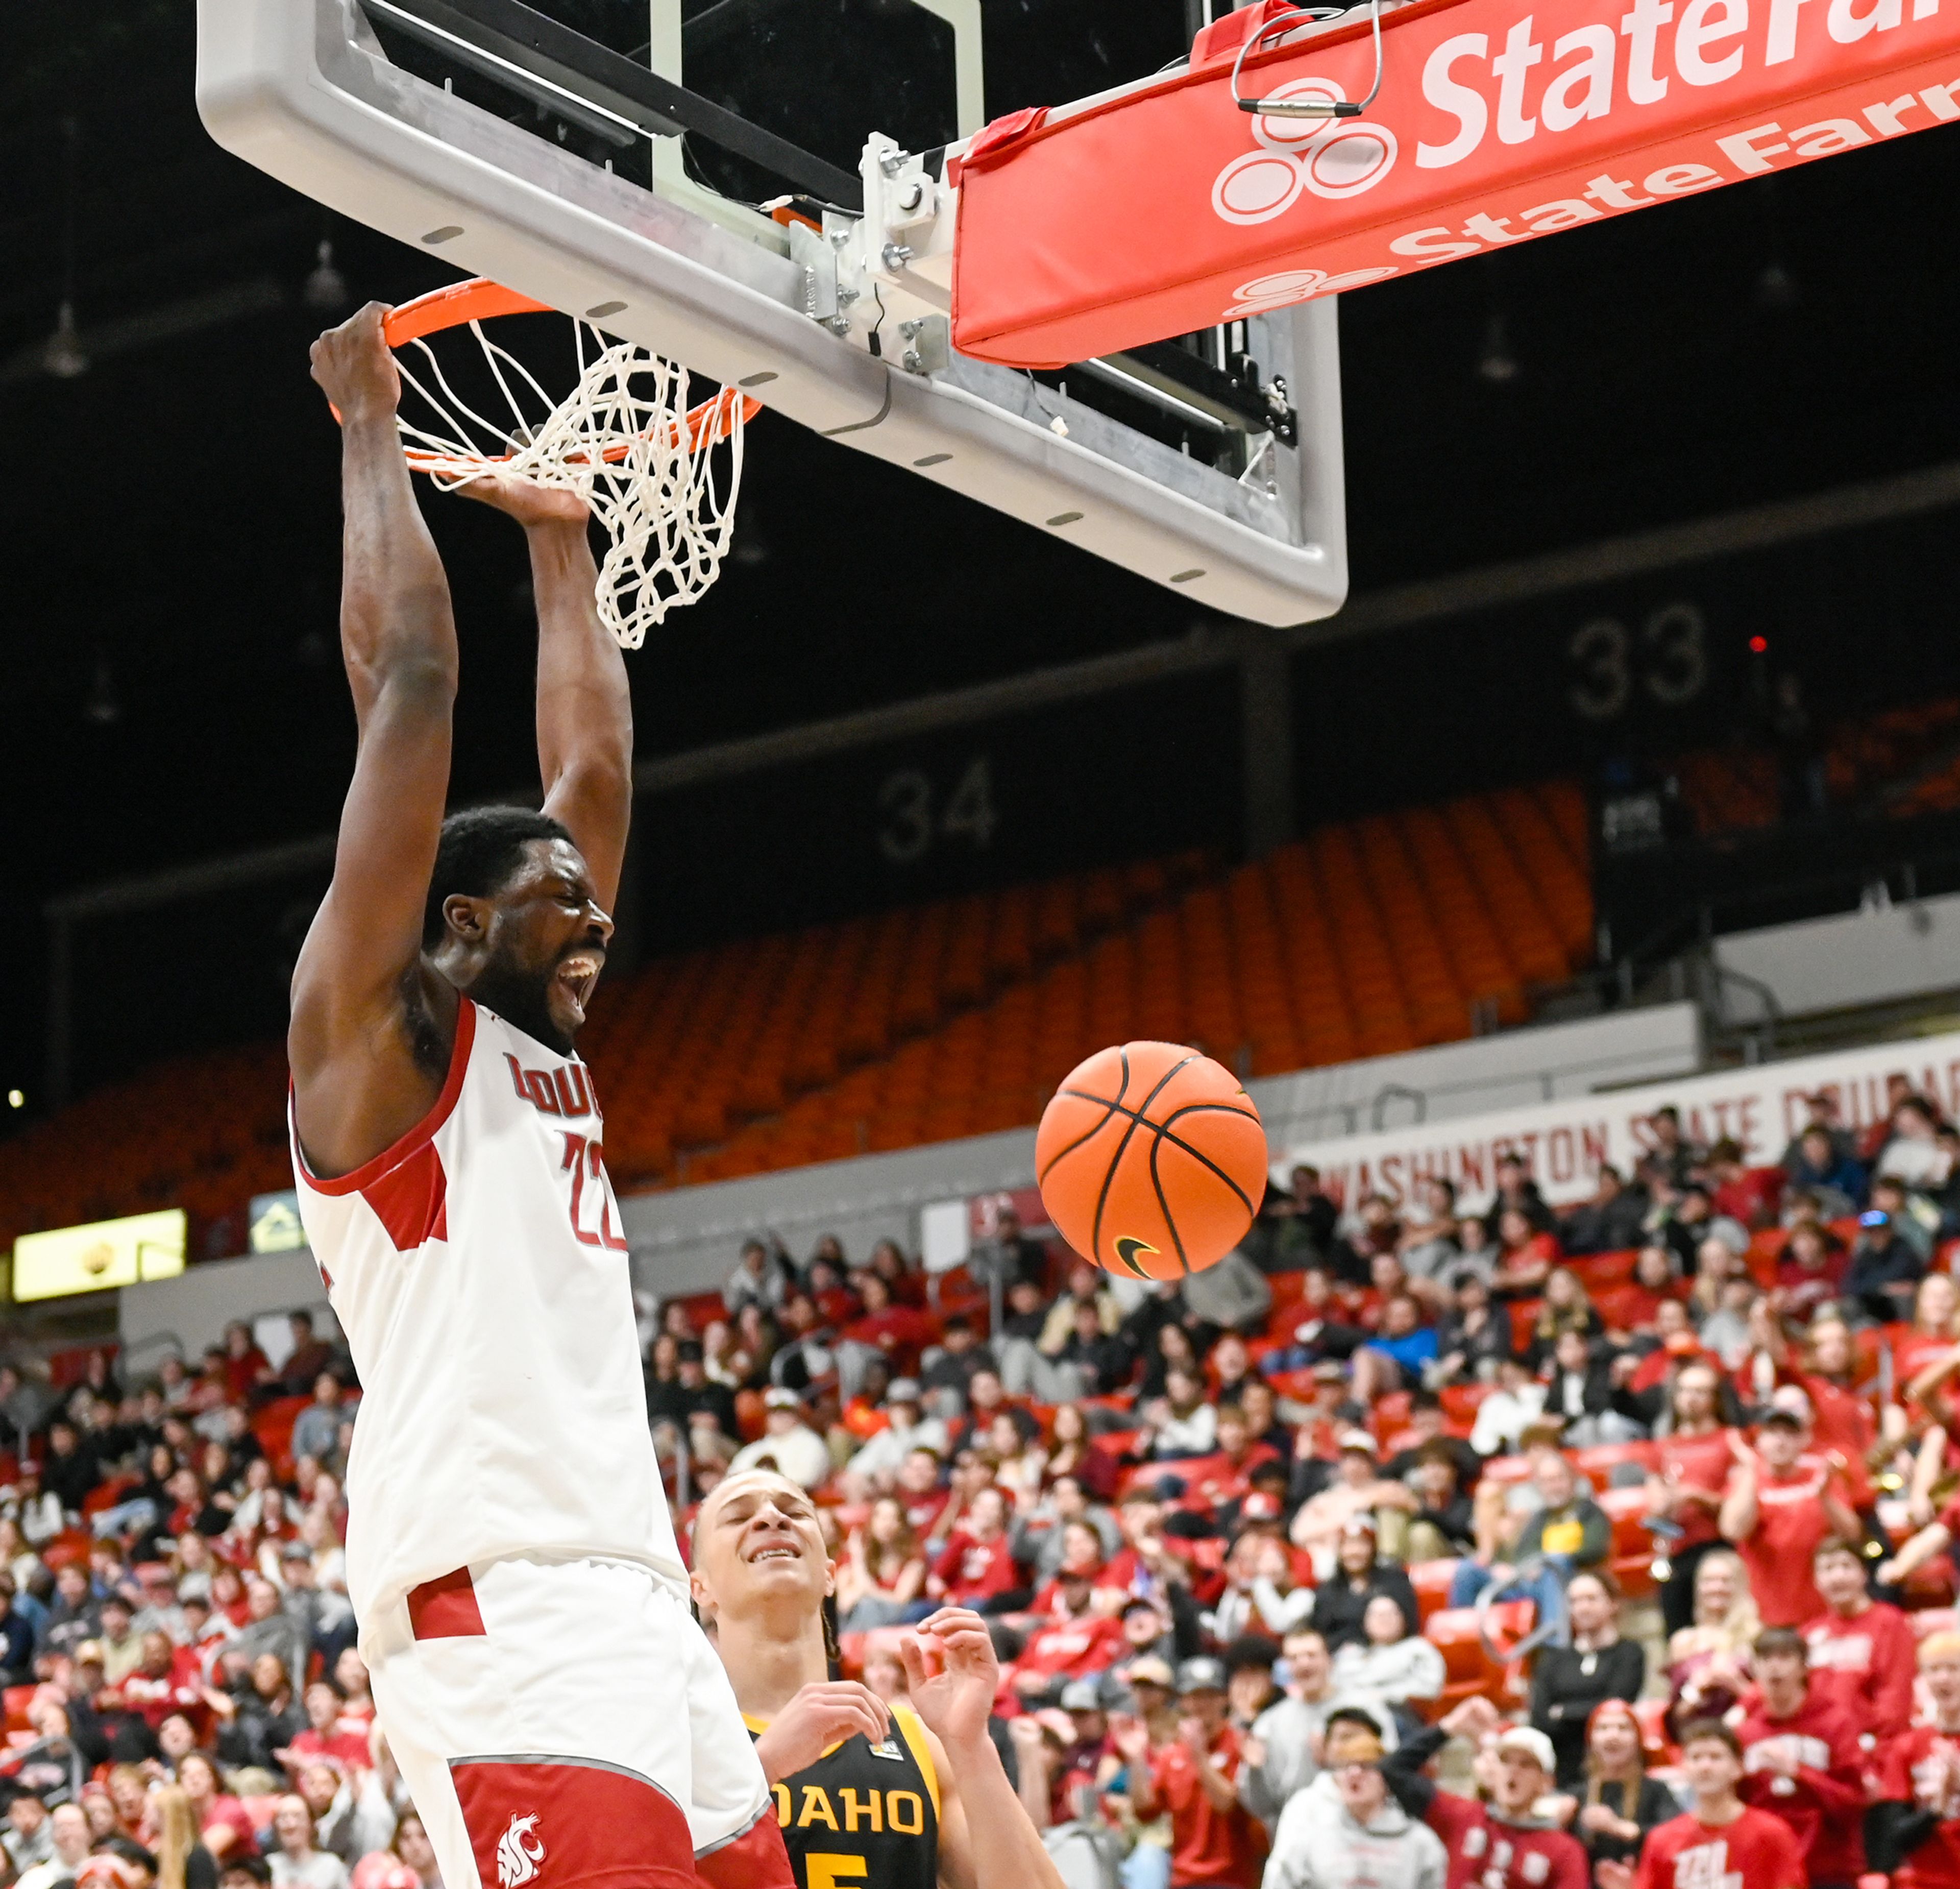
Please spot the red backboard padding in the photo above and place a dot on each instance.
(1167, 209)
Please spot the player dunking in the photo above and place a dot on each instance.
(868, 1797)
(554, 1708)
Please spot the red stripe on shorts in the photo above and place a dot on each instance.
(563, 1824)
(756, 1859)
(445, 1609)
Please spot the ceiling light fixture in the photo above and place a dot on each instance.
(103, 707)
(326, 288)
(1497, 365)
(65, 357)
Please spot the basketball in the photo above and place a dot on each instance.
(1151, 1160)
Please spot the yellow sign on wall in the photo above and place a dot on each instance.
(91, 1259)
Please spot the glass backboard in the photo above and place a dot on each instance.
(761, 189)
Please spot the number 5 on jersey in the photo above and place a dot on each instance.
(835, 1872)
(583, 1158)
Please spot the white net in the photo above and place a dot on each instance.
(653, 472)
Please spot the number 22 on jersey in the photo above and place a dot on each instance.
(585, 1159)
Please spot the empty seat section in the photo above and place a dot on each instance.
(1483, 972)
(1367, 969)
(1436, 1007)
(1516, 911)
(1161, 1010)
(1563, 884)
(953, 1017)
(1265, 1008)
(1324, 1023)
(1210, 990)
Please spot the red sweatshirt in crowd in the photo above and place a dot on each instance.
(1824, 1804)
(976, 1571)
(1756, 1852)
(1076, 1648)
(1912, 1772)
(1701, 1463)
(1492, 1853)
(1866, 1665)
(1777, 1552)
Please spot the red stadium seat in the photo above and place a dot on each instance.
(1468, 1668)
(1620, 1307)
(1431, 1580)
(1631, 1555)
(73, 1545)
(1389, 1414)
(272, 1424)
(1598, 1271)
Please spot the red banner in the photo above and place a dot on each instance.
(1168, 209)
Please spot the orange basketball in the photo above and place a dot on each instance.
(1152, 1160)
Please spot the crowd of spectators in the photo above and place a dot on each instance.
(1206, 1524)
(186, 1706)
(1191, 1514)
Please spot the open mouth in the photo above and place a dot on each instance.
(577, 974)
(771, 1551)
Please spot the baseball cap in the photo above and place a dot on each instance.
(1201, 1675)
(89, 1653)
(1259, 1507)
(1361, 1524)
(1081, 1695)
(1790, 1397)
(1058, 1724)
(781, 1399)
(1531, 1743)
(1784, 1418)
(902, 1390)
(1150, 1670)
(1357, 1440)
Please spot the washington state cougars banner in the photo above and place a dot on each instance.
(1168, 209)
(1565, 1143)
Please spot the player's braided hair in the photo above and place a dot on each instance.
(833, 1653)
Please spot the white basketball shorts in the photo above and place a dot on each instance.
(567, 1722)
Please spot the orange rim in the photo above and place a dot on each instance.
(716, 414)
(479, 299)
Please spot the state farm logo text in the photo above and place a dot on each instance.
(1330, 157)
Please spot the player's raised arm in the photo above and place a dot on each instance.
(585, 713)
(368, 1036)
(986, 1839)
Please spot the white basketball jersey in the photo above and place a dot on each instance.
(480, 1271)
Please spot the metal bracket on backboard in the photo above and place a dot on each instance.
(299, 88)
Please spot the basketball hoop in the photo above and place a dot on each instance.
(622, 439)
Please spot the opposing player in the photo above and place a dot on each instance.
(552, 1705)
(887, 1798)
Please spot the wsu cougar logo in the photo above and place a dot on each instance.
(1331, 157)
(520, 1850)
